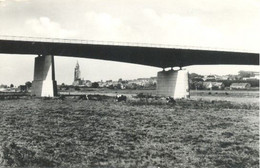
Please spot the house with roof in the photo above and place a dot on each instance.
(209, 77)
(213, 85)
(240, 86)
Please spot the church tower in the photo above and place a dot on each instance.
(77, 72)
(77, 80)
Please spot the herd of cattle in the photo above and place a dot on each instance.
(168, 100)
(97, 97)
(123, 98)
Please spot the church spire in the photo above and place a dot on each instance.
(77, 72)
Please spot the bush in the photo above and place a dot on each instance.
(95, 85)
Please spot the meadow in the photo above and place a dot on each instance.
(138, 133)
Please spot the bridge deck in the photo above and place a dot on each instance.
(145, 54)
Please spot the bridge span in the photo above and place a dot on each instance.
(169, 83)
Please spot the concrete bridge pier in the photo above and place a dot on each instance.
(44, 84)
(173, 83)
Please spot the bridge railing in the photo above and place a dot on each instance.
(115, 43)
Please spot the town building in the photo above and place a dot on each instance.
(213, 85)
(209, 78)
(240, 86)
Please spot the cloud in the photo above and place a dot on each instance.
(13, 0)
(2, 4)
(105, 26)
(105, 21)
(4, 1)
(173, 28)
(151, 27)
(196, 30)
(232, 24)
(43, 26)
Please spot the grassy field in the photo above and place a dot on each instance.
(136, 133)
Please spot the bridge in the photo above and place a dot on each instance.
(170, 83)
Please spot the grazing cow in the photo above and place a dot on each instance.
(62, 97)
(83, 97)
(94, 97)
(120, 98)
(170, 100)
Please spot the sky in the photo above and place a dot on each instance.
(220, 24)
